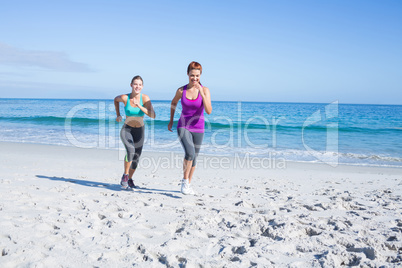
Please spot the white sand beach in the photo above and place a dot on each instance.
(63, 207)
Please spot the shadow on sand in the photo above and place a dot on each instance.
(112, 187)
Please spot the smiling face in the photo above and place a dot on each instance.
(194, 76)
(137, 86)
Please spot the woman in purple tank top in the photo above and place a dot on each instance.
(195, 99)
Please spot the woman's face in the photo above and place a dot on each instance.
(194, 76)
(137, 85)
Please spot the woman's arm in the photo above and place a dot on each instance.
(117, 101)
(173, 105)
(148, 109)
(206, 99)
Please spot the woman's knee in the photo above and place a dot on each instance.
(135, 161)
(134, 164)
(190, 156)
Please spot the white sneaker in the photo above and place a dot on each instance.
(188, 191)
(186, 188)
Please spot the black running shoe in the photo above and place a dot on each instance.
(131, 184)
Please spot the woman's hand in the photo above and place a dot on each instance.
(119, 118)
(136, 103)
(197, 85)
(170, 125)
(200, 88)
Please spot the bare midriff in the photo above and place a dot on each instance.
(134, 121)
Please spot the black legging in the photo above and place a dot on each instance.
(191, 142)
(133, 140)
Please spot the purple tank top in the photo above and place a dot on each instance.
(192, 114)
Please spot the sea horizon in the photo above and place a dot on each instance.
(247, 101)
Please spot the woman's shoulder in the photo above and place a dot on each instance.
(206, 89)
(122, 97)
(179, 91)
(145, 96)
(181, 88)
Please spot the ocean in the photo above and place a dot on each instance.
(331, 133)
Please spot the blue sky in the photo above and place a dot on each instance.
(279, 51)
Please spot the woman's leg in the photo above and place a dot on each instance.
(186, 141)
(191, 142)
(188, 170)
(138, 138)
(128, 142)
(197, 140)
(126, 166)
